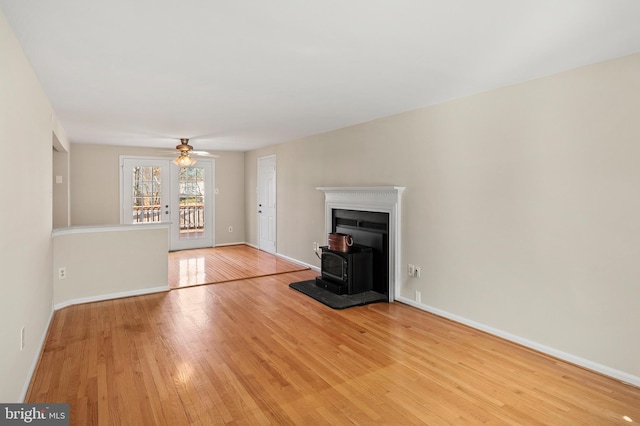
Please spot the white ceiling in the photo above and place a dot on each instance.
(242, 74)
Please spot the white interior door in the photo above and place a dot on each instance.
(267, 203)
(158, 191)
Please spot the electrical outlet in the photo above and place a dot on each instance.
(22, 338)
(231, 229)
(315, 246)
(62, 273)
(418, 269)
(412, 270)
(418, 296)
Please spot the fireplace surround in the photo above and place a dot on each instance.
(379, 199)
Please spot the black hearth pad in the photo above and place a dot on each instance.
(337, 301)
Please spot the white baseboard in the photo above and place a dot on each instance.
(299, 262)
(290, 259)
(232, 244)
(589, 365)
(110, 296)
(36, 358)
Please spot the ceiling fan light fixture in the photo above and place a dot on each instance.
(184, 160)
(184, 146)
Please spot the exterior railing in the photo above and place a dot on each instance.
(190, 217)
(147, 214)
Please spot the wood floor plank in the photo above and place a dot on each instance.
(255, 351)
(222, 264)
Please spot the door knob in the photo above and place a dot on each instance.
(259, 211)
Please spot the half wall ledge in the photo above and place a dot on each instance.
(95, 263)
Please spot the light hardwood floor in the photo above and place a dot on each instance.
(255, 351)
(221, 264)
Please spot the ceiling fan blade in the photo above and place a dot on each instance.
(174, 153)
(204, 154)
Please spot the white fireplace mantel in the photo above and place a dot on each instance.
(384, 199)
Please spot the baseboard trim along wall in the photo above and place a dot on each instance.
(299, 262)
(36, 359)
(287, 258)
(102, 297)
(233, 244)
(585, 363)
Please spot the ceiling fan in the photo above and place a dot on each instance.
(186, 153)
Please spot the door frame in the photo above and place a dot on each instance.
(175, 243)
(269, 249)
(173, 195)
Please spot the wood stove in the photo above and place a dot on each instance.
(346, 272)
(369, 229)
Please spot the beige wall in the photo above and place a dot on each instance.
(26, 283)
(521, 205)
(95, 194)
